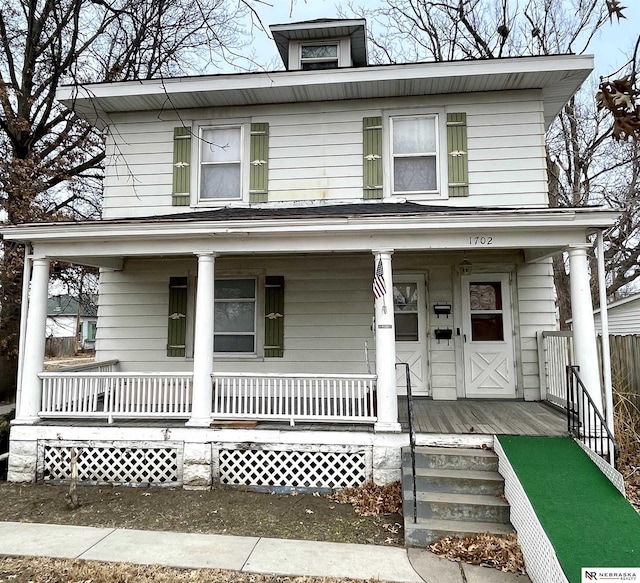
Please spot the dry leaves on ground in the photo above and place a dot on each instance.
(370, 499)
(41, 570)
(627, 430)
(488, 550)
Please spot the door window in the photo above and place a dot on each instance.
(405, 306)
(487, 317)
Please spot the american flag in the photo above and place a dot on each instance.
(379, 287)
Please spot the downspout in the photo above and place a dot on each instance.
(604, 321)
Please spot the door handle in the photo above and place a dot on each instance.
(464, 337)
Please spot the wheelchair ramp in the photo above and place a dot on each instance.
(588, 522)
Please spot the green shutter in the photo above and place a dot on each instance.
(259, 163)
(274, 316)
(458, 160)
(181, 167)
(177, 322)
(372, 150)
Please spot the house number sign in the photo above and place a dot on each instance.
(480, 240)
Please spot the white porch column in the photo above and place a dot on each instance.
(584, 332)
(387, 395)
(203, 343)
(30, 391)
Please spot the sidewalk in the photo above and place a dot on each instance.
(249, 554)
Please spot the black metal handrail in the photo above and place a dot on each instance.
(584, 420)
(412, 436)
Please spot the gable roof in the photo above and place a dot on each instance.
(621, 302)
(66, 305)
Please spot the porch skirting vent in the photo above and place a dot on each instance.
(326, 468)
(126, 463)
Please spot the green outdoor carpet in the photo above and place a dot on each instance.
(589, 522)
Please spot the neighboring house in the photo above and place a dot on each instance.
(623, 316)
(247, 218)
(63, 313)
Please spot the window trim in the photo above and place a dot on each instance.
(196, 154)
(254, 301)
(295, 52)
(302, 60)
(441, 190)
(260, 278)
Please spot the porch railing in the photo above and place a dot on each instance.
(585, 422)
(555, 349)
(295, 397)
(115, 394)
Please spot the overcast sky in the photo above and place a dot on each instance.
(610, 48)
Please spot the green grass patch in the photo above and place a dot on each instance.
(589, 522)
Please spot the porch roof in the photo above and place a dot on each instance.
(356, 227)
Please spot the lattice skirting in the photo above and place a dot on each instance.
(120, 462)
(294, 467)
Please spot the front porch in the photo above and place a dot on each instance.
(165, 451)
(99, 393)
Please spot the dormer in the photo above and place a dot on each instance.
(321, 44)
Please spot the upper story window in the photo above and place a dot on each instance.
(414, 154)
(319, 56)
(220, 163)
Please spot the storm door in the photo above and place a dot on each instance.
(409, 305)
(488, 336)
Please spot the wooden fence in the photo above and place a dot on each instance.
(556, 352)
(625, 364)
(60, 346)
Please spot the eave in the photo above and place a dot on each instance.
(558, 77)
(131, 229)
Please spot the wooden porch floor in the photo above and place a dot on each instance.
(484, 417)
(441, 417)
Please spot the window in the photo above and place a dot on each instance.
(414, 154)
(405, 306)
(235, 316)
(221, 163)
(319, 56)
(91, 331)
(485, 303)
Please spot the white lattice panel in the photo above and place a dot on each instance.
(613, 475)
(293, 468)
(113, 463)
(539, 555)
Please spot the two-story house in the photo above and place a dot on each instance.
(274, 243)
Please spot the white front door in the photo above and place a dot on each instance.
(488, 336)
(409, 305)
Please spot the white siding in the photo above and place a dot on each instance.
(536, 311)
(328, 314)
(623, 319)
(315, 150)
(328, 311)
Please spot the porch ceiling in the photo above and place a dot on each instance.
(315, 229)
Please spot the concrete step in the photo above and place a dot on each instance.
(454, 481)
(429, 530)
(451, 458)
(448, 506)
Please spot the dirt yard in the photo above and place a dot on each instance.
(18, 570)
(219, 511)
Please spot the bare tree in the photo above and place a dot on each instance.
(52, 168)
(585, 166)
